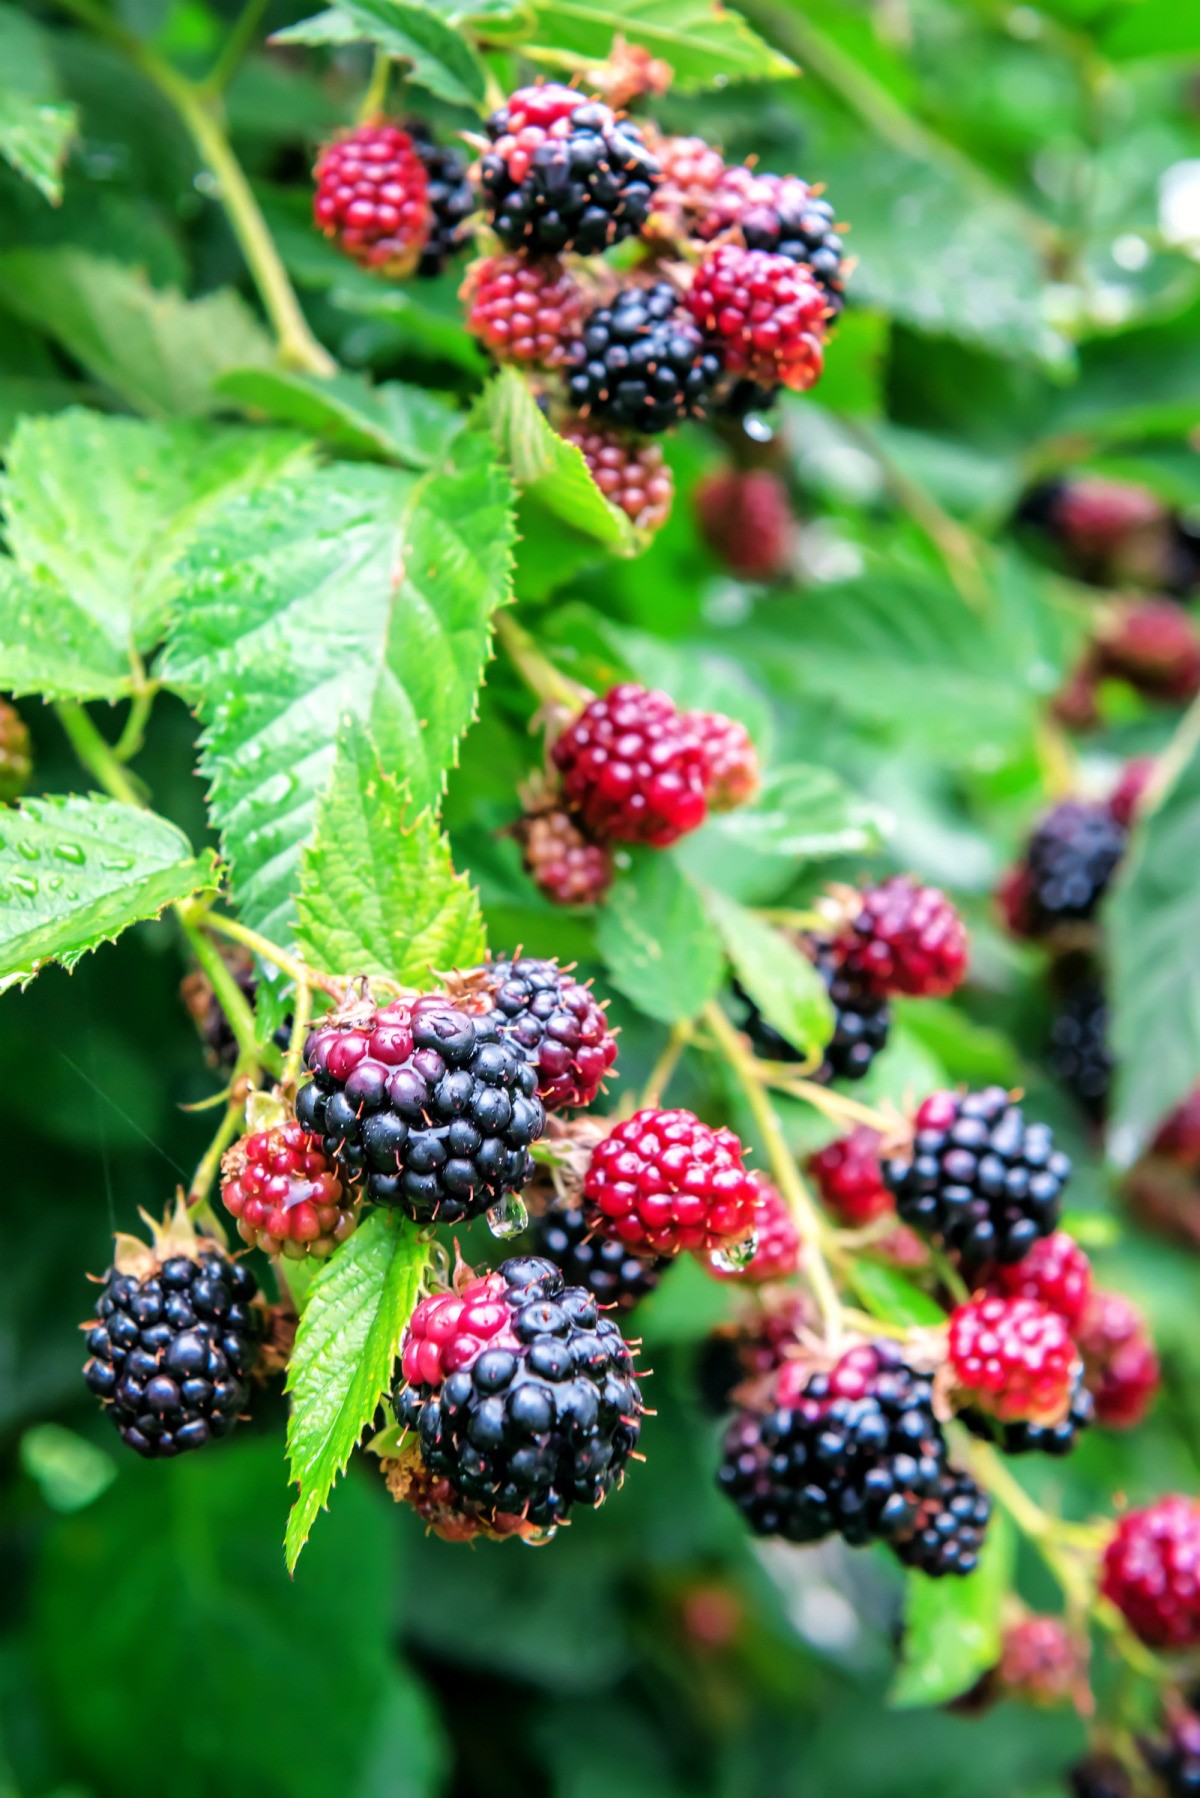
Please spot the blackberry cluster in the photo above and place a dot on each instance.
(426, 1102)
(1079, 1053)
(642, 363)
(949, 1528)
(979, 1179)
(524, 1399)
(1151, 1572)
(563, 862)
(1072, 856)
(745, 516)
(616, 1278)
(557, 1024)
(783, 215)
(1026, 1437)
(564, 173)
(858, 1453)
(171, 1352)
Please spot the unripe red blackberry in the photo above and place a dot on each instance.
(372, 197)
(423, 1099)
(1151, 1572)
(1121, 1364)
(564, 864)
(663, 1182)
(979, 1179)
(564, 173)
(782, 214)
(947, 1534)
(850, 1179)
(692, 171)
(631, 474)
(616, 1278)
(16, 753)
(1013, 1359)
(1094, 515)
(523, 1397)
(556, 1023)
(1176, 1761)
(285, 1193)
(730, 759)
(777, 1247)
(641, 363)
(633, 768)
(449, 195)
(1130, 790)
(174, 1341)
(524, 309)
(764, 315)
(908, 939)
(1154, 645)
(858, 1451)
(1040, 1662)
(745, 516)
(1056, 1273)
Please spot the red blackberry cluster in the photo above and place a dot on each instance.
(524, 309)
(850, 1179)
(632, 475)
(557, 1024)
(979, 1179)
(1154, 645)
(766, 315)
(16, 755)
(908, 939)
(745, 516)
(616, 1278)
(522, 1397)
(1120, 1360)
(285, 1193)
(1014, 1359)
(663, 1182)
(392, 198)
(641, 363)
(1151, 1572)
(785, 216)
(564, 863)
(1041, 1662)
(424, 1101)
(633, 768)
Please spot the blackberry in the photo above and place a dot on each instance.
(1154, 645)
(947, 1534)
(426, 1101)
(1055, 1272)
(745, 516)
(564, 173)
(1072, 856)
(372, 197)
(633, 768)
(858, 1452)
(174, 1341)
(1041, 1662)
(641, 362)
(731, 765)
(285, 1195)
(663, 1183)
(1015, 1357)
(1025, 1438)
(1176, 1761)
(850, 1179)
(1150, 1572)
(1120, 1360)
(523, 1397)
(557, 1024)
(692, 172)
(861, 1020)
(906, 938)
(978, 1179)
(764, 315)
(778, 1250)
(16, 754)
(524, 309)
(449, 196)
(1079, 1053)
(562, 860)
(782, 214)
(616, 1278)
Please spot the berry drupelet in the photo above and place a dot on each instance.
(372, 197)
(616, 1278)
(663, 1182)
(562, 861)
(1013, 1358)
(947, 1534)
(16, 754)
(425, 1101)
(524, 309)
(555, 1022)
(522, 1396)
(633, 768)
(285, 1193)
(979, 1179)
(906, 938)
(764, 315)
(641, 363)
(1151, 1572)
(564, 173)
(631, 474)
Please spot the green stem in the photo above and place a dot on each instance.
(96, 754)
(234, 48)
(374, 100)
(543, 679)
(291, 965)
(133, 733)
(230, 997)
(301, 1018)
(231, 1123)
(660, 1074)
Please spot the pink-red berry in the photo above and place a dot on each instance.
(372, 197)
(907, 938)
(730, 759)
(765, 314)
(633, 768)
(1178, 1136)
(692, 172)
(524, 309)
(1154, 645)
(1055, 1272)
(1014, 1358)
(745, 516)
(777, 1249)
(285, 1193)
(1041, 1662)
(562, 860)
(850, 1179)
(450, 1330)
(663, 1182)
(631, 473)
(1151, 1572)
(1120, 1360)
(785, 215)
(1094, 515)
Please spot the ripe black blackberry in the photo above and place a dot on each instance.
(642, 362)
(449, 196)
(1079, 1053)
(949, 1530)
(523, 1397)
(861, 1022)
(175, 1338)
(555, 1022)
(1024, 1437)
(564, 173)
(857, 1450)
(1072, 856)
(424, 1099)
(978, 1179)
(600, 1264)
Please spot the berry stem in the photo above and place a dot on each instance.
(809, 1223)
(230, 997)
(540, 675)
(244, 1075)
(374, 101)
(97, 755)
(949, 1276)
(234, 48)
(262, 946)
(837, 1106)
(133, 732)
(301, 1018)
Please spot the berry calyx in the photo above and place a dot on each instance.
(616, 1278)
(555, 1022)
(522, 1396)
(632, 475)
(372, 197)
(562, 861)
(663, 1182)
(907, 938)
(731, 767)
(285, 1193)
(16, 753)
(423, 1100)
(1014, 1358)
(850, 1179)
(633, 768)
(641, 362)
(764, 314)
(1120, 1360)
(1056, 1273)
(443, 1512)
(777, 1248)
(1151, 1572)
(524, 309)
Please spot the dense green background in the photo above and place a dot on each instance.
(1015, 313)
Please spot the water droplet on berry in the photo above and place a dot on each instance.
(735, 1257)
(539, 1538)
(508, 1216)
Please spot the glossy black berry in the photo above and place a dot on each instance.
(449, 196)
(1072, 856)
(1024, 1437)
(950, 1527)
(1079, 1052)
(861, 1022)
(642, 362)
(600, 1264)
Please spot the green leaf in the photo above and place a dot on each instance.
(1153, 935)
(53, 646)
(891, 1297)
(783, 983)
(391, 423)
(103, 507)
(548, 468)
(953, 1627)
(36, 127)
(656, 940)
(76, 872)
(378, 891)
(440, 58)
(347, 1340)
(160, 352)
(705, 43)
(802, 811)
(358, 592)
